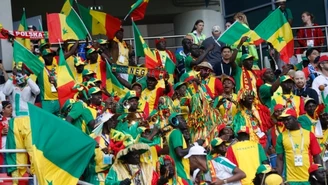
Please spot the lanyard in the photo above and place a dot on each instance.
(292, 142)
(222, 70)
(216, 41)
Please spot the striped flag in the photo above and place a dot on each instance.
(276, 30)
(238, 30)
(143, 50)
(65, 80)
(99, 22)
(170, 68)
(23, 27)
(112, 84)
(138, 10)
(62, 27)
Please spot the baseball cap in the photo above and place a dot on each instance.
(216, 28)
(196, 150)
(78, 61)
(246, 56)
(323, 58)
(228, 78)
(216, 142)
(178, 84)
(130, 95)
(285, 78)
(288, 112)
(93, 90)
(263, 168)
(159, 40)
(243, 129)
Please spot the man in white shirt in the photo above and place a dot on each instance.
(320, 83)
(221, 169)
(21, 90)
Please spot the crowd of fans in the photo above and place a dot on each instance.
(219, 119)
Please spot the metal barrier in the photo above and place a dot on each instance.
(35, 182)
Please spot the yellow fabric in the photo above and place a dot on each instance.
(99, 154)
(285, 32)
(48, 95)
(122, 51)
(296, 173)
(95, 67)
(296, 102)
(231, 112)
(150, 97)
(65, 178)
(249, 166)
(322, 141)
(70, 63)
(252, 132)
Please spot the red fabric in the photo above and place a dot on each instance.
(155, 178)
(307, 33)
(302, 111)
(112, 25)
(231, 155)
(54, 28)
(314, 148)
(306, 72)
(139, 12)
(169, 53)
(287, 52)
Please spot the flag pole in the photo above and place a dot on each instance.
(82, 22)
(40, 24)
(134, 43)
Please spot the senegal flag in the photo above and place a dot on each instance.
(65, 80)
(23, 27)
(22, 54)
(170, 68)
(62, 27)
(236, 31)
(112, 84)
(138, 10)
(99, 22)
(143, 50)
(276, 30)
(60, 152)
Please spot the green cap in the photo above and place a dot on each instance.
(285, 78)
(78, 61)
(94, 80)
(47, 52)
(216, 142)
(178, 85)
(263, 168)
(102, 41)
(91, 50)
(246, 56)
(93, 90)
(86, 72)
(67, 105)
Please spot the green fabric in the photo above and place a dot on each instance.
(169, 66)
(156, 141)
(238, 122)
(10, 158)
(132, 130)
(72, 146)
(111, 178)
(298, 183)
(299, 66)
(76, 24)
(225, 162)
(265, 94)
(305, 122)
(187, 60)
(139, 45)
(80, 115)
(289, 15)
(21, 54)
(252, 51)
(85, 16)
(176, 140)
(270, 25)
(237, 76)
(234, 33)
(262, 154)
(279, 145)
(51, 106)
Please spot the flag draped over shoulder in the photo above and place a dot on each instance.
(276, 30)
(112, 84)
(99, 22)
(65, 80)
(138, 10)
(60, 152)
(236, 31)
(21, 54)
(62, 27)
(143, 50)
(23, 27)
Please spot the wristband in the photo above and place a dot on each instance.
(225, 181)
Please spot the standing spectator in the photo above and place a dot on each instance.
(3, 79)
(214, 56)
(295, 149)
(301, 88)
(307, 35)
(6, 115)
(184, 56)
(286, 11)
(228, 24)
(323, 78)
(225, 66)
(197, 36)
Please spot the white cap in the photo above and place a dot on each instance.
(196, 150)
(216, 28)
(280, 1)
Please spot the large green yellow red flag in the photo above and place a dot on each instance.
(60, 152)
(236, 31)
(143, 50)
(65, 80)
(62, 27)
(22, 54)
(112, 83)
(276, 30)
(138, 10)
(23, 27)
(99, 22)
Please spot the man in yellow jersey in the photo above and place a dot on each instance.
(71, 52)
(47, 81)
(120, 50)
(78, 69)
(246, 149)
(296, 148)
